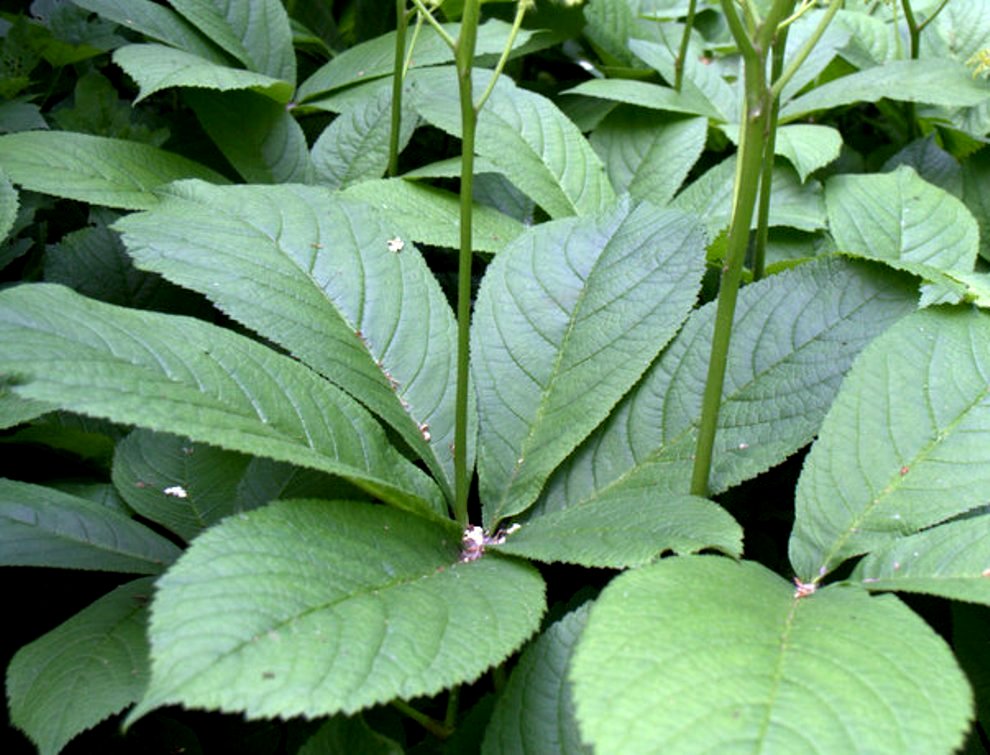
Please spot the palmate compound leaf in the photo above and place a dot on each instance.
(40, 526)
(90, 667)
(568, 317)
(905, 445)
(951, 560)
(704, 654)
(184, 376)
(318, 607)
(795, 335)
(329, 279)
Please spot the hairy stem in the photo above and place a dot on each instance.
(398, 74)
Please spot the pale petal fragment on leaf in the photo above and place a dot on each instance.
(905, 445)
(91, 667)
(318, 607)
(704, 654)
(184, 376)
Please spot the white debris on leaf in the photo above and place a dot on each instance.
(176, 491)
(804, 589)
(474, 540)
(396, 245)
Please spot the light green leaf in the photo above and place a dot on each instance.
(525, 136)
(951, 560)
(9, 204)
(432, 216)
(631, 528)
(183, 376)
(40, 526)
(567, 318)
(14, 410)
(704, 654)
(318, 607)
(156, 67)
(836, 40)
(947, 83)
(795, 335)
(644, 94)
(961, 29)
(808, 147)
(534, 713)
(905, 445)
(376, 58)
(91, 667)
(870, 42)
(94, 169)
(329, 279)
(647, 156)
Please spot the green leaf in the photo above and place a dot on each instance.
(567, 319)
(947, 83)
(951, 560)
(703, 654)
(629, 529)
(961, 29)
(156, 67)
(9, 204)
(183, 376)
(109, 172)
(14, 410)
(644, 94)
(317, 274)
(376, 58)
(40, 526)
(932, 163)
(91, 667)
(318, 607)
(647, 156)
(348, 734)
(535, 711)
(808, 147)
(432, 216)
(525, 136)
(905, 445)
(796, 334)
(976, 195)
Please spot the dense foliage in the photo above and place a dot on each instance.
(496, 377)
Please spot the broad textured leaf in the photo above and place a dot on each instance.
(157, 22)
(317, 274)
(808, 147)
(906, 444)
(432, 216)
(94, 169)
(317, 607)
(14, 410)
(534, 713)
(976, 195)
(156, 67)
(837, 39)
(91, 667)
(8, 205)
(960, 31)
(376, 58)
(40, 526)
(934, 164)
(951, 560)
(629, 529)
(183, 376)
(947, 83)
(647, 156)
(795, 335)
(567, 318)
(644, 94)
(256, 134)
(703, 654)
(525, 136)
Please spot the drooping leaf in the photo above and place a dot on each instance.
(318, 607)
(94, 169)
(91, 667)
(905, 445)
(329, 279)
(534, 713)
(645, 94)
(156, 67)
(567, 318)
(951, 560)
(525, 136)
(704, 654)
(40, 526)
(808, 147)
(795, 335)
(183, 376)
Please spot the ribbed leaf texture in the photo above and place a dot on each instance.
(331, 280)
(91, 667)
(905, 445)
(703, 654)
(318, 607)
(567, 318)
(645, 94)
(186, 377)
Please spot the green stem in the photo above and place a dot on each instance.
(682, 52)
(516, 25)
(425, 13)
(464, 57)
(934, 13)
(398, 74)
(453, 706)
(914, 32)
(437, 729)
(809, 44)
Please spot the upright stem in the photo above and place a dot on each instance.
(398, 74)
(682, 52)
